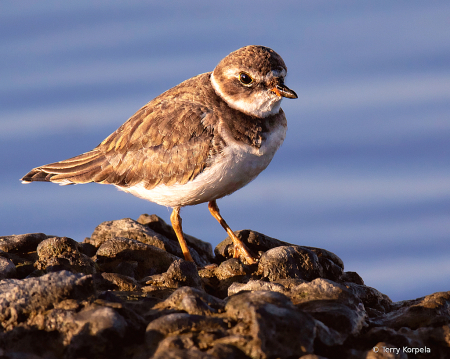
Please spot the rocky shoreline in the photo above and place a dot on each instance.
(125, 292)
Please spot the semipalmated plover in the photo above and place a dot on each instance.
(197, 142)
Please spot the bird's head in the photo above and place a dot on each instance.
(251, 80)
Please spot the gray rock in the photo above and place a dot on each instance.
(269, 325)
(180, 273)
(176, 353)
(328, 336)
(86, 248)
(289, 262)
(231, 268)
(323, 253)
(218, 279)
(183, 329)
(20, 298)
(99, 319)
(370, 297)
(351, 277)
(192, 301)
(430, 311)
(340, 312)
(62, 253)
(115, 281)
(345, 319)
(331, 264)
(182, 322)
(128, 228)
(7, 268)
(21, 243)
(31, 343)
(322, 289)
(143, 301)
(144, 259)
(94, 331)
(257, 285)
(23, 262)
(226, 351)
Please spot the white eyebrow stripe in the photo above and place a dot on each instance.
(276, 73)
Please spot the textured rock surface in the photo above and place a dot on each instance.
(62, 253)
(126, 292)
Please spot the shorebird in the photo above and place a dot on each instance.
(197, 142)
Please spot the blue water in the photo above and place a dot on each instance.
(365, 168)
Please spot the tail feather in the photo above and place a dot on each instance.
(80, 169)
(71, 167)
(74, 161)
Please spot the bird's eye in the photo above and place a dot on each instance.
(245, 79)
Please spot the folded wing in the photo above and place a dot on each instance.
(162, 143)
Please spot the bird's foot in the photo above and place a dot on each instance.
(242, 251)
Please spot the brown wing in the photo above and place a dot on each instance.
(166, 141)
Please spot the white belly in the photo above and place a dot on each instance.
(235, 167)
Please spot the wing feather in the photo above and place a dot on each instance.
(166, 141)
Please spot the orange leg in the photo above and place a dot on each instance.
(176, 224)
(239, 247)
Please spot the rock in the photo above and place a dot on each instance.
(22, 243)
(62, 253)
(182, 322)
(289, 262)
(127, 293)
(351, 277)
(260, 243)
(23, 262)
(181, 330)
(231, 268)
(7, 268)
(115, 281)
(218, 279)
(87, 248)
(322, 289)
(94, 331)
(371, 298)
(192, 301)
(345, 319)
(257, 285)
(31, 343)
(329, 337)
(128, 228)
(180, 273)
(272, 325)
(142, 259)
(225, 351)
(430, 311)
(174, 351)
(20, 298)
(98, 330)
